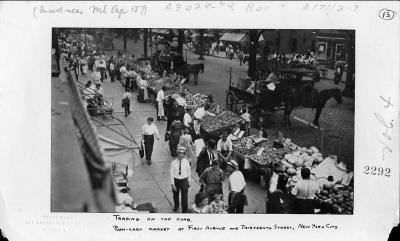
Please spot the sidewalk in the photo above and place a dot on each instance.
(152, 183)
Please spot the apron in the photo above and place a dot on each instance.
(145, 94)
(222, 162)
(160, 105)
(196, 126)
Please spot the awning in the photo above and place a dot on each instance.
(115, 151)
(233, 37)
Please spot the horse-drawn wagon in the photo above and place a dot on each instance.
(285, 88)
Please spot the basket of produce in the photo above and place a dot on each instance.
(216, 124)
(340, 198)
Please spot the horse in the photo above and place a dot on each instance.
(188, 69)
(195, 69)
(309, 98)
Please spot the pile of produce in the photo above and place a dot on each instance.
(290, 145)
(224, 120)
(244, 146)
(340, 198)
(302, 157)
(217, 109)
(268, 157)
(172, 87)
(195, 101)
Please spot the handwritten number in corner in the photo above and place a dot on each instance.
(386, 14)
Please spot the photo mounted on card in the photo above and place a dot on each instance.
(213, 118)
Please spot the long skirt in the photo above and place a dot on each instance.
(160, 109)
(173, 142)
(141, 96)
(145, 94)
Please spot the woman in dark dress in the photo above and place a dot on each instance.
(176, 132)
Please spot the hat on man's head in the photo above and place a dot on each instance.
(181, 149)
(212, 142)
(150, 119)
(278, 167)
(233, 163)
(224, 134)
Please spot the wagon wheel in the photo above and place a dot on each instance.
(231, 101)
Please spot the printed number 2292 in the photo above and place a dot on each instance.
(378, 171)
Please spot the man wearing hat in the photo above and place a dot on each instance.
(212, 179)
(149, 131)
(205, 158)
(224, 149)
(180, 176)
(236, 199)
(271, 176)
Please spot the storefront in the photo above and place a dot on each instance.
(331, 47)
(234, 39)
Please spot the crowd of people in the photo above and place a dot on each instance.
(213, 158)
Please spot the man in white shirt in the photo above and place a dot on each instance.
(122, 71)
(149, 131)
(224, 149)
(198, 115)
(126, 102)
(271, 176)
(187, 120)
(304, 191)
(160, 103)
(180, 175)
(236, 198)
(181, 100)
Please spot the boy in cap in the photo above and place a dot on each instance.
(180, 175)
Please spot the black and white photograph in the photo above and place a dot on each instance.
(127, 120)
(210, 121)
